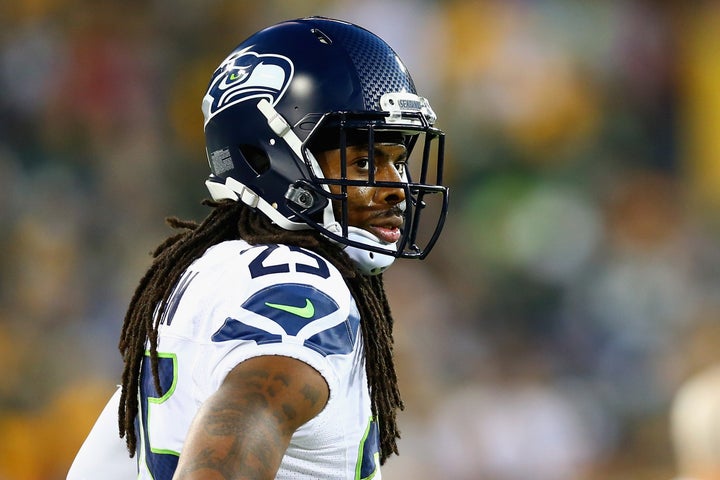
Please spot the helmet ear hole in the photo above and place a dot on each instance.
(256, 158)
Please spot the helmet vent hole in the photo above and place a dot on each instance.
(322, 38)
(256, 158)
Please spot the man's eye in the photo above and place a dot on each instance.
(362, 163)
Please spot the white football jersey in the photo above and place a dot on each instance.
(237, 302)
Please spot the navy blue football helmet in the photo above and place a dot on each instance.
(321, 83)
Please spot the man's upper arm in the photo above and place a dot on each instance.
(243, 429)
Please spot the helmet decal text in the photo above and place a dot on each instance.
(246, 75)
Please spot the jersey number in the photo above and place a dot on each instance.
(160, 462)
(258, 269)
(369, 455)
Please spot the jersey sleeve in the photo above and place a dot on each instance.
(277, 300)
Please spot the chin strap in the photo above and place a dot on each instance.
(369, 263)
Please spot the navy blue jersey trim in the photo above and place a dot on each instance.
(236, 330)
(293, 306)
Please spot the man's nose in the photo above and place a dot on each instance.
(389, 195)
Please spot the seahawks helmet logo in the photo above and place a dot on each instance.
(246, 75)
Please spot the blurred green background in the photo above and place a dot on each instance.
(575, 285)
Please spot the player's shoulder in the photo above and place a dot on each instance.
(245, 269)
(234, 279)
(289, 295)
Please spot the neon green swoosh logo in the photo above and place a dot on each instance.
(234, 76)
(305, 312)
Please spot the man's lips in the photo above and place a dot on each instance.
(386, 234)
(386, 227)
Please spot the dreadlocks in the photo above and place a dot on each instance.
(232, 220)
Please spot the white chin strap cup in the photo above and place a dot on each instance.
(370, 263)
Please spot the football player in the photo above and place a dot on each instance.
(259, 342)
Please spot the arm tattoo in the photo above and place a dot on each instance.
(243, 431)
(311, 394)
